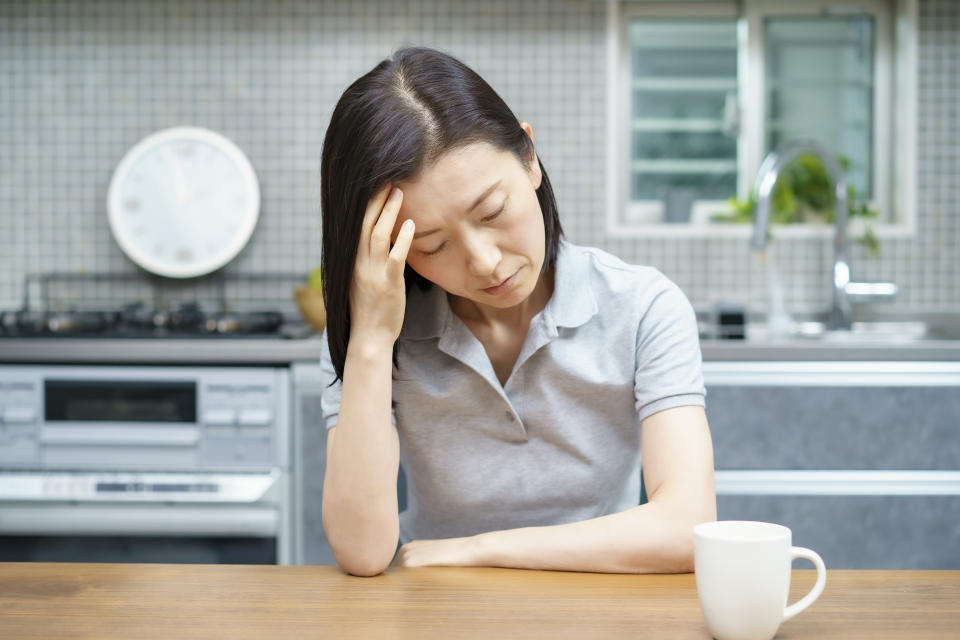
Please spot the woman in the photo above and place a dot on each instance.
(514, 374)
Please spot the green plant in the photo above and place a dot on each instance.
(804, 193)
(315, 279)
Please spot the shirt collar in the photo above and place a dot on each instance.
(573, 303)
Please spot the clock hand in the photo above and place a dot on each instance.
(179, 182)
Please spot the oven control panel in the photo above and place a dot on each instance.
(135, 487)
(144, 417)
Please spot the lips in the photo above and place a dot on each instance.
(503, 286)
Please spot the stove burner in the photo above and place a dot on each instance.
(187, 317)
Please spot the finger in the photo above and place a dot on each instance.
(398, 254)
(374, 206)
(380, 236)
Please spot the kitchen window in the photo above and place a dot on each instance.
(700, 92)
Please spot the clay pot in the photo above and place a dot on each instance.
(310, 303)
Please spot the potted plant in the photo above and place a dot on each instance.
(804, 193)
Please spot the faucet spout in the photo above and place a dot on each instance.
(770, 169)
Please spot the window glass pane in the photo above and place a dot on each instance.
(710, 186)
(684, 79)
(820, 83)
(683, 48)
(684, 144)
(672, 61)
(664, 103)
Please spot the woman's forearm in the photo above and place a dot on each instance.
(646, 539)
(360, 515)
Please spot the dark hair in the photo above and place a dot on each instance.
(389, 125)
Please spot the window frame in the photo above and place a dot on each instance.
(893, 128)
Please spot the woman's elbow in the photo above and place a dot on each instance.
(364, 560)
(364, 563)
(365, 549)
(364, 568)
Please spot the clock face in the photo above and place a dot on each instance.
(183, 202)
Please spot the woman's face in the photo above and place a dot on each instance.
(479, 228)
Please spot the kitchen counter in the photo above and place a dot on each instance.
(266, 351)
(208, 351)
(814, 350)
(87, 600)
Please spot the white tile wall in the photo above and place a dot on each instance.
(81, 82)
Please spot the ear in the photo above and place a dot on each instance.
(534, 173)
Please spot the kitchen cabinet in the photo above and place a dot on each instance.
(860, 459)
(881, 420)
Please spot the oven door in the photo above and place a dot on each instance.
(138, 525)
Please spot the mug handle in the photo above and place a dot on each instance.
(807, 600)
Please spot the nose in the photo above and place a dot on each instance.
(483, 255)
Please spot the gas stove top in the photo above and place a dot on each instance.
(140, 320)
(50, 308)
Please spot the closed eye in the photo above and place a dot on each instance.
(487, 219)
(494, 215)
(435, 251)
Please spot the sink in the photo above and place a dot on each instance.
(885, 331)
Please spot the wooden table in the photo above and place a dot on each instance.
(79, 600)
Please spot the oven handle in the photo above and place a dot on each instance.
(104, 436)
(135, 520)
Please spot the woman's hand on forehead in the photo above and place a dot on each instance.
(378, 294)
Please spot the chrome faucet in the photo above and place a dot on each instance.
(844, 291)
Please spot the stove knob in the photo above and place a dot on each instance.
(255, 416)
(219, 416)
(19, 415)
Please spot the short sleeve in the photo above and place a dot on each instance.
(331, 394)
(668, 360)
(330, 398)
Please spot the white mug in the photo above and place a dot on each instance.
(743, 577)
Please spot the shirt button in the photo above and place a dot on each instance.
(509, 416)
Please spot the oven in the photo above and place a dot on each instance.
(145, 463)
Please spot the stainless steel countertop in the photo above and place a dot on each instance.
(281, 352)
(812, 350)
(226, 351)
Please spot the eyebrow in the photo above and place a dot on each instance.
(480, 198)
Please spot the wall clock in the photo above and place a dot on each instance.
(183, 202)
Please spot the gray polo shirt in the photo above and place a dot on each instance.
(560, 442)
